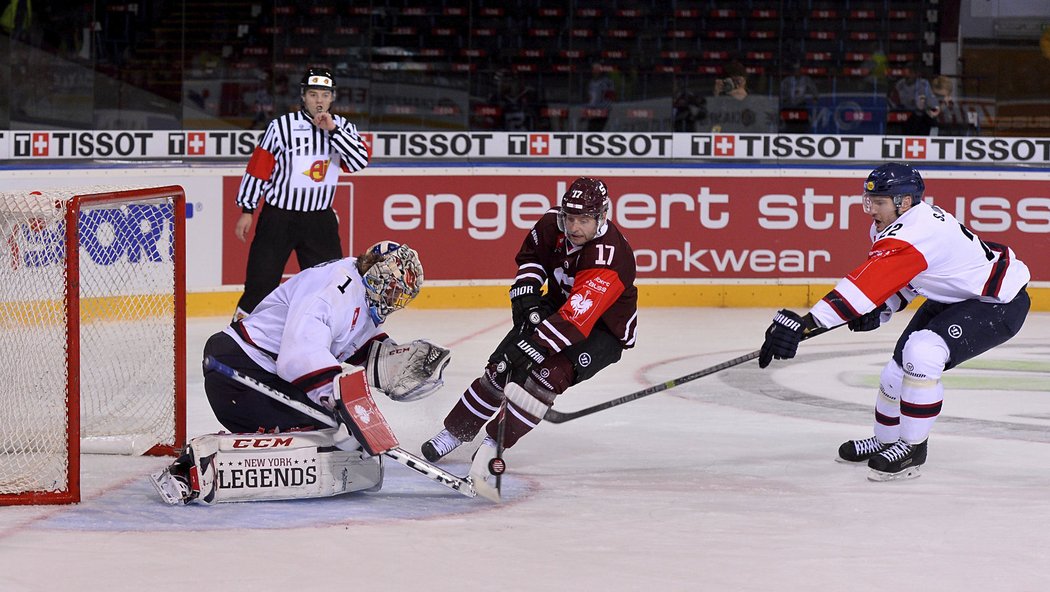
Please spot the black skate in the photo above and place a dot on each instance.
(899, 461)
(440, 445)
(855, 451)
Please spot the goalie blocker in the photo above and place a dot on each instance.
(256, 467)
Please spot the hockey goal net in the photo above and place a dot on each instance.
(92, 333)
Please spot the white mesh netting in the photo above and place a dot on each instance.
(126, 337)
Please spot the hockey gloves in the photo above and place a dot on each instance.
(525, 307)
(521, 355)
(869, 321)
(782, 337)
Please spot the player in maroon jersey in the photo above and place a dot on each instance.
(582, 324)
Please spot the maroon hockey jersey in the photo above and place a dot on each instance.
(592, 284)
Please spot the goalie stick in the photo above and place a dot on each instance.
(554, 416)
(428, 470)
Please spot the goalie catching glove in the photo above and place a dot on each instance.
(406, 372)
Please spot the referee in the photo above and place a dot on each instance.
(294, 169)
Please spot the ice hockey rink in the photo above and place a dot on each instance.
(724, 483)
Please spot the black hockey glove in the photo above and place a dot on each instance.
(782, 337)
(525, 307)
(868, 321)
(521, 355)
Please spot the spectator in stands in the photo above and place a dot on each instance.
(943, 89)
(688, 109)
(261, 101)
(914, 94)
(797, 89)
(601, 92)
(734, 84)
(798, 96)
(518, 103)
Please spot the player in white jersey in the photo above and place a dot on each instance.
(975, 300)
(296, 342)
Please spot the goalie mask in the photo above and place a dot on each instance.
(586, 197)
(392, 281)
(896, 181)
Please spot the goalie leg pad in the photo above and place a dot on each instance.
(407, 372)
(258, 467)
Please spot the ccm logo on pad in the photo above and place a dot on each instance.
(262, 442)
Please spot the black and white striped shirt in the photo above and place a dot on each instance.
(296, 164)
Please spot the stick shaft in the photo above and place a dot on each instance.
(555, 416)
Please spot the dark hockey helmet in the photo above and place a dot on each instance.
(586, 196)
(319, 78)
(897, 181)
(392, 281)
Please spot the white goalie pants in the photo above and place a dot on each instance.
(256, 467)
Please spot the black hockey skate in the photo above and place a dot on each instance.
(855, 451)
(440, 445)
(899, 461)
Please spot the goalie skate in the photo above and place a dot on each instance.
(173, 490)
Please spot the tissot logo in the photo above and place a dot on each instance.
(915, 148)
(529, 144)
(176, 144)
(725, 145)
(905, 148)
(517, 144)
(539, 144)
(196, 143)
(36, 144)
(191, 144)
(23, 144)
(700, 146)
(892, 148)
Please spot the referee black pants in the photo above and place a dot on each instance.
(314, 236)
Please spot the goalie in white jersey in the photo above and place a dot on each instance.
(296, 342)
(975, 300)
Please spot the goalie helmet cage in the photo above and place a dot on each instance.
(92, 333)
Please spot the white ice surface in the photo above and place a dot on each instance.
(725, 483)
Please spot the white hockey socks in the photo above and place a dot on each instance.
(888, 403)
(922, 392)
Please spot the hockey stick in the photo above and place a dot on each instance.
(555, 416)
(428, 470)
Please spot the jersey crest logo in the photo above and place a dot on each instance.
(318, 170)
(580, 304)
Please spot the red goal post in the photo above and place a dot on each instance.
(92, 333)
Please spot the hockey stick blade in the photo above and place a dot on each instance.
(428, 470)
(555, 416)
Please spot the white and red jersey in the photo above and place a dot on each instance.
(926, 251)
(593, 283)
(305, 328)
(297, 164)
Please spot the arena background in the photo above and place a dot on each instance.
(478, 115)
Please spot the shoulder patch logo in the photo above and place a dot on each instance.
(580, 304)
